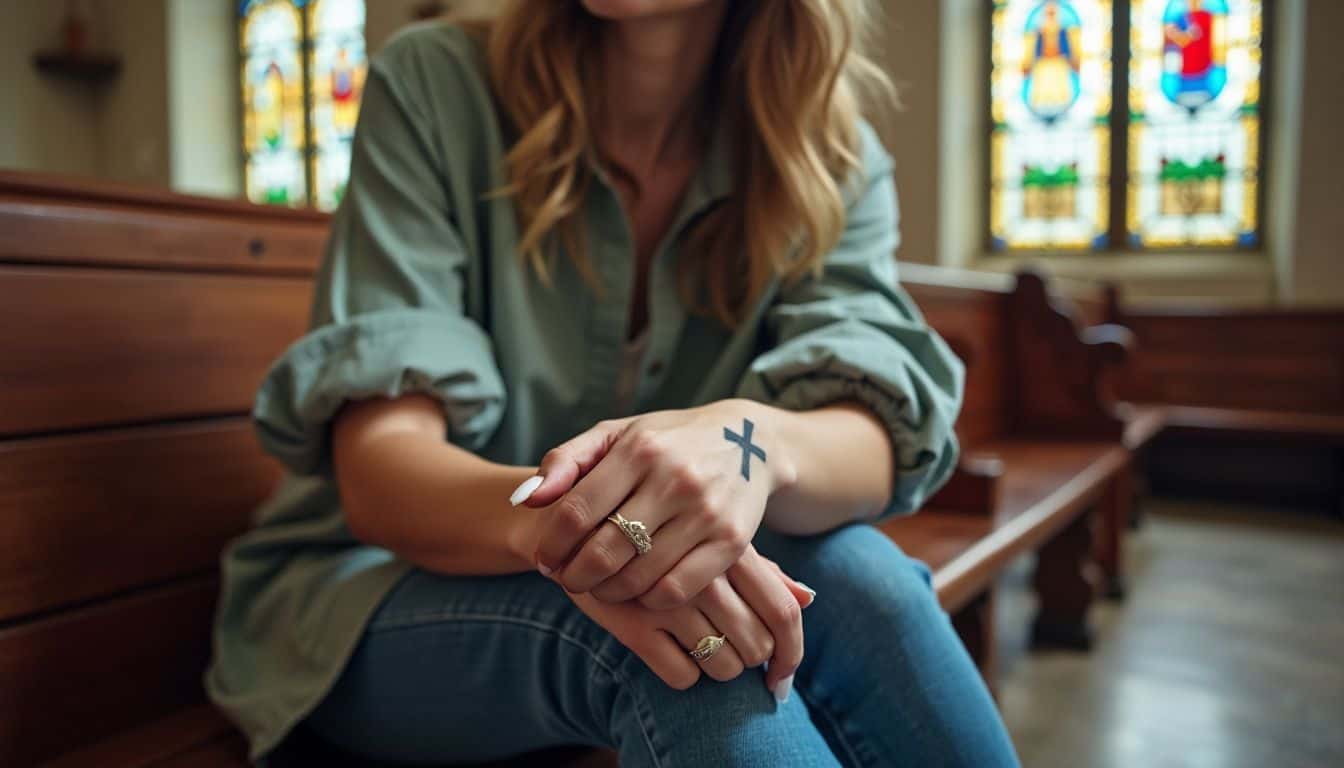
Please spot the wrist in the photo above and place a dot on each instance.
(772, 427)
(521, 539)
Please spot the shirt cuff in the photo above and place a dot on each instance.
(859, 366)
(387, 353)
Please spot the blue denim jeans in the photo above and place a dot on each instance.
(464, 669)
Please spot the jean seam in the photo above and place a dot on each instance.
(420, 619)
(815, 705)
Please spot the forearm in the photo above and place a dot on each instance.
(842, 458)
(435, 504)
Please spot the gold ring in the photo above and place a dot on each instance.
(635, 531)
(708, 646)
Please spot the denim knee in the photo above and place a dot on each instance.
(734, 722)
(858, 568)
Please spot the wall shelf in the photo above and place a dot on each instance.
(87, 67)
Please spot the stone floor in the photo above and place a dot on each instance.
(1228, 652)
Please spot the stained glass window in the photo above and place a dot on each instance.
(1186, 131)
(1194, 135)
(303, 69)
(1050, 148)
(337, 67)
(273, 108)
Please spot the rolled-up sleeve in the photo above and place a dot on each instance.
(853, 334)
(387, 316)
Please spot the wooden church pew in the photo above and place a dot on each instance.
(1250, 401)
(139, 327)
(1042, 453)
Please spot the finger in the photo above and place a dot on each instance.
(691, 575)
(772, 602)
(689, 626)
(802, 592)
(612, 559)
(567, 463)
(570, 520)
(603, 555)
(727, 610)
(671, 542)
(661, 653)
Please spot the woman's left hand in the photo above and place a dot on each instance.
(698, 479)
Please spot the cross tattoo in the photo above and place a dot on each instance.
(748, 448)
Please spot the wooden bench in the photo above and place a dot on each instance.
(1248, 403)
(140, 326)
(1042, 448)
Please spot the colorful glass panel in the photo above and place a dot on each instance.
(1050, 102)
(338, 66)
(1194, 135)
(274, 140)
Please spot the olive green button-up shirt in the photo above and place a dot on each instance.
(422, 289)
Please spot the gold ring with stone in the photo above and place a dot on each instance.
(635, 531)
(708, 646)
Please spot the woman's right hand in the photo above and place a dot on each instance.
(754, 605)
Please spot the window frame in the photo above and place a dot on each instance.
(1117, 183)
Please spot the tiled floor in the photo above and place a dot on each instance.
(1228, 652)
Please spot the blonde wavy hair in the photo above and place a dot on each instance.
(785, 81)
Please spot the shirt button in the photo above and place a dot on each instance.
(656, 367)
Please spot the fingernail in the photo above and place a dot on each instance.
(781, 689)
(544, 570)
(524, 490)
(810, 591)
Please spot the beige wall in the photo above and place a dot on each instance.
(385, 17)
(154, 124)
(1318, 249)
(907, 43)
(960, 144)
(133, 144)
(114, 130)
(45, 123)
(202, 99)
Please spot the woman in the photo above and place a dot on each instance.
(647, 242)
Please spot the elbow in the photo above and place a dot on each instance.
(360, 518)
(914, 484)
(358, 485)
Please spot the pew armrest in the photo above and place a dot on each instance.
(1108, 344)
(972, 490)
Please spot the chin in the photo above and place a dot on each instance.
(634, 9)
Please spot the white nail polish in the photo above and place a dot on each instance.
(781, 689)
(524, 490)
(810, 590)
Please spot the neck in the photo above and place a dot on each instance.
(653, 73)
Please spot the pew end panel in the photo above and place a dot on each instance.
(1038, 407)
(1058, 388)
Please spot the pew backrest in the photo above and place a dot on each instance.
(1257, 359)
(138, 326)
(1035, 363)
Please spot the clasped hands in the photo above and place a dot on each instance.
(699, 480)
